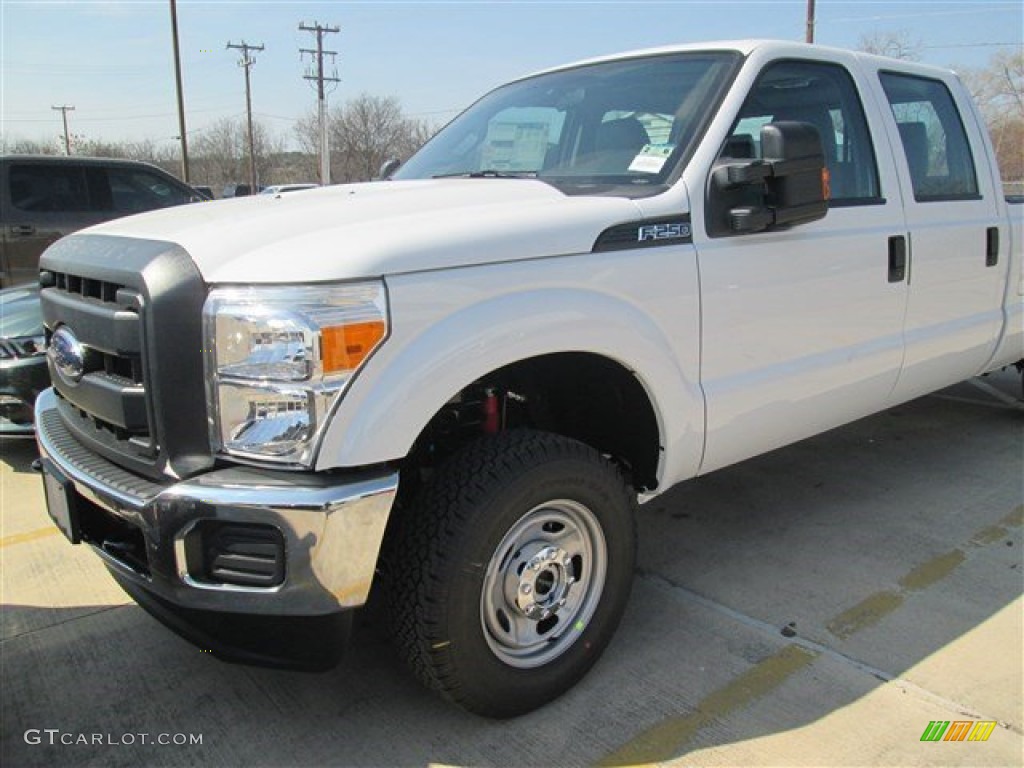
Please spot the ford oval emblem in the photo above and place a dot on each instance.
(67, 355)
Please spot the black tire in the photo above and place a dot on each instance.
(457, 605)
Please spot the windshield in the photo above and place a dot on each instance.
(618, 127)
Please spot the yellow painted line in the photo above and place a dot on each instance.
(932, 571)
(998, 532)
(989, 535)
(874, 608)
(669, 738)
(866, 613)
(21, 538)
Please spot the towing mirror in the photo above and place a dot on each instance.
(788, 186)
(387, 168)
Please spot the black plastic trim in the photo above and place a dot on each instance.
(109, 400)
(166, 289)
(854, 202)
(947, 198)
(646, 233)
(311, 643)
(111, 329)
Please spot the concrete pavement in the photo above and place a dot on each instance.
(819, 605)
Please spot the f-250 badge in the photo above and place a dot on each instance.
(663, 231)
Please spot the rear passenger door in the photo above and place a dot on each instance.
(45, 201)
(957, 267)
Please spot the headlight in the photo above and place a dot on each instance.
(278, 357)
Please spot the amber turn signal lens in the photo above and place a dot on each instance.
(344, 347)
(826, 184)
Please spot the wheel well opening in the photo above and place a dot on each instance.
(580, 395)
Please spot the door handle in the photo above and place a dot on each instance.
(897, 258)
(23, 230)
(991, 246)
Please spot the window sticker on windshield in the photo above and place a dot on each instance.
(651, 158)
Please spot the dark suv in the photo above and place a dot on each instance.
(43, 198)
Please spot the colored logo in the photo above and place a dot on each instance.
(958, 730)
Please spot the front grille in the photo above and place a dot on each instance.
(135, 308)
(109, 403)
(86, 287)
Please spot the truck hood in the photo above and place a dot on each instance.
(376, 229)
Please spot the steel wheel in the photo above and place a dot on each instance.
(507, 576)
(543, 583)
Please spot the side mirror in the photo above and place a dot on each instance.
(387, 168)
(787, 187)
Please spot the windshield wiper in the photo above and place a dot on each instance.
(487, 174)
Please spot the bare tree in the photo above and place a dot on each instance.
(18, 146)
(365, 131)
(896, 44)
(307, 132)
(219, 154)
(998, 89)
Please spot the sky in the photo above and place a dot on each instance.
(113, 61)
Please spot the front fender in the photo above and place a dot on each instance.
(452, 328)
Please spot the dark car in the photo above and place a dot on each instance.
(238, 190)
(44, 197)
(23, 371)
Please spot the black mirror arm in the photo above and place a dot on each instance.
(761, 170)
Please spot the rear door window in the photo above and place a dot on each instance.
(48, 188)
(934, 142)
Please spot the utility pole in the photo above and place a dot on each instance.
(810, 21)
(325, 151)
(246, 63)
(181, 97)
(67, 139)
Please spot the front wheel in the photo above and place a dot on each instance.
(509, 576)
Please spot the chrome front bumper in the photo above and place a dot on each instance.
(332, 526)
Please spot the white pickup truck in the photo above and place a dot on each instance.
(457, 384)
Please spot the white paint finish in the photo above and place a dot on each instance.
(801, 329)
(640, 308)
(955, 307)
(365, 230)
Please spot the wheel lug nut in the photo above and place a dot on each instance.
(552, 555)
(526, 589)
(535, 566)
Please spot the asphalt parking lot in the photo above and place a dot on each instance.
(820, 605)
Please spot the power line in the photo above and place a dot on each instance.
(973, 45)
(246, 63)
(320, 30)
